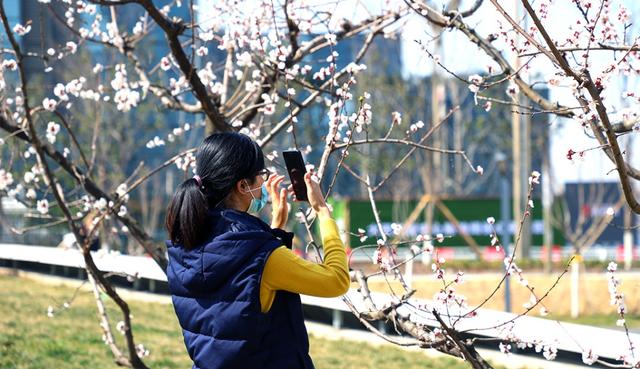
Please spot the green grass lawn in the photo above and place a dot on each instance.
(602, 320)
(72, 339)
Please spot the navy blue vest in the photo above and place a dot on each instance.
(216, 295)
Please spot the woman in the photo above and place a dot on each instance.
(235, 283)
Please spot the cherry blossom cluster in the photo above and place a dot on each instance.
(385, 253)
(341, 124)
(52, 311)
(170, 137)
(449, 297)
(589, 357)
(549, 350)
(616, 297)
(185, 162)
(436, 267)
(381, 256)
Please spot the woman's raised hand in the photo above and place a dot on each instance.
(314, 193)
(279, 204)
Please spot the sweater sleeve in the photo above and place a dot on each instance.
(287, 271)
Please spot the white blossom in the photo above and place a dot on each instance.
(550, 352)
(534, 178)
(505, 348)
(589, 357)
(475, 81)
(31, 194)
(101, 204)
(52, 130)
(49, 104)
(362, 234)
(396, 118)
(9, 64)
(141, 350)
(60, 92)
(6, 179)
(43, 206)
(120, 326)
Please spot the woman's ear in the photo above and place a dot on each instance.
(241, 186)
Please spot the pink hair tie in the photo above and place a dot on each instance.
(198, 179)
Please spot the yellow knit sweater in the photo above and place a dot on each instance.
(286, 271)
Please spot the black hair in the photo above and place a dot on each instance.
(221, 161)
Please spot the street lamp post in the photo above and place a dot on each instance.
(504, 221)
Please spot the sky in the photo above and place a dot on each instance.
(461, 56)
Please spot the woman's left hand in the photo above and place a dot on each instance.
(279, 205)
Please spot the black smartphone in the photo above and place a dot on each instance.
(296, 168)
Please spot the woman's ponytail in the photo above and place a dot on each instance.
(222, 159)
(186, 214)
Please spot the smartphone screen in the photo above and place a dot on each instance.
(296, 168)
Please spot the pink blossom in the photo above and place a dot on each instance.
(71, 47)
(589, 357)
(9, 64)
(165, 63)
(21, 30)
(202, 51)
(512, 89)
(570, 154)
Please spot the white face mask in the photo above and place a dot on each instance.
(258, 204)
